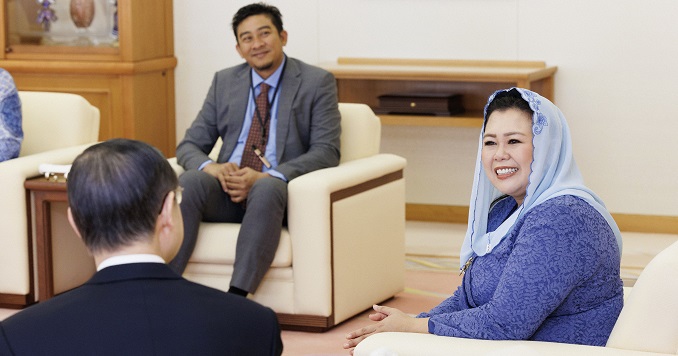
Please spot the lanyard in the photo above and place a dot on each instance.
(264, 120)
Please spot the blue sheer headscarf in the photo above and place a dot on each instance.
(553, 173)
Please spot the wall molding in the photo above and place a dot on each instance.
(658, 224)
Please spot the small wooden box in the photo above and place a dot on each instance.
(435, 104)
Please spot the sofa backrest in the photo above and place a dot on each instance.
(649, 319)
(360, 132)
(56, 120)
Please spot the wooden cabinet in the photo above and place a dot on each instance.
(131, 80)
(363, 80)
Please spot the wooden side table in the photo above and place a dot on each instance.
(43, 192)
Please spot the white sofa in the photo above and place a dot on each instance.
(57, 127)
(648, 325)
(343, 249)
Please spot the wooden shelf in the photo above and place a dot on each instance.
(363, 80)
(436, 121)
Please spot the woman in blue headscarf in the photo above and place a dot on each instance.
(541, 255)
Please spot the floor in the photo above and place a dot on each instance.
(430, 279)
(443, 239)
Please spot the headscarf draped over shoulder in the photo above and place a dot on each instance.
(554, 173)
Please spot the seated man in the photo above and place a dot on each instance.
(278, 118)
(11, 133)
(123, 202)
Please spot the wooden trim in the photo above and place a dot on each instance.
(16, 301)
(370, 184)
(436, 213)
(463, 120)
(433, 70)
(4, 26)
(656, 224)
(33, 52)
(439, 62)
(306, 323)
(99, 68)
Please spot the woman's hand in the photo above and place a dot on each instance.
(387, 319)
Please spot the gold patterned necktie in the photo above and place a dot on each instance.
(258, 136)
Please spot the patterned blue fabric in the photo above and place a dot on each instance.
(554, 277)
(11, 133)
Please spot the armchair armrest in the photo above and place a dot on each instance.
(14, 247)
(175, 166)
(326, 211)
(411, 344)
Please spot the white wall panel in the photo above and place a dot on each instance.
(617, 81)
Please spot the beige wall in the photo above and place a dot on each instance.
(616, 82)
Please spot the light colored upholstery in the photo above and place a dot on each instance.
(57, 127)
(343, 249)
(648, 325)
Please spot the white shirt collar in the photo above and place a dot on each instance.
(126, 259)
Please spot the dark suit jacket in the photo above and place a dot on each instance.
(308, 129)
(142, 309)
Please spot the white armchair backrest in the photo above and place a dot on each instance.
(649, 319)
(360, 131)
(56, 120)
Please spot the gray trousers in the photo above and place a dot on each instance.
(261, 223)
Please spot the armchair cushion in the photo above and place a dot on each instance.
(56, 120)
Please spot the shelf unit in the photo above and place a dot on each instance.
(363, 80)
(131, 82)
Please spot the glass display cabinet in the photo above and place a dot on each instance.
(118, 54)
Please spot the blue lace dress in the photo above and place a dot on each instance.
(555, 277)
(11, 133)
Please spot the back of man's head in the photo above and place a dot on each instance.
(116, 190)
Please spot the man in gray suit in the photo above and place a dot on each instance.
(292, 129)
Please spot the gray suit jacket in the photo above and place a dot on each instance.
(308, 126)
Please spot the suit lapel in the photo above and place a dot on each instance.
(290, 86)
(237, 102)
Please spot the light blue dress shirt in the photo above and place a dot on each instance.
(271, 154)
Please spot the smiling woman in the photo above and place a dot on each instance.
(507, 148)
(541, 254)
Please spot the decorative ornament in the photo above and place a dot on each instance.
(82, 13)
(114, 32)
(46, 14)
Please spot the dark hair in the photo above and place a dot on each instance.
(508, 99)
(115, 190)
(260, 8)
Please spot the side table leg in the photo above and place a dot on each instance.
(43, 232)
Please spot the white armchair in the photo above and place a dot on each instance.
(57, 127)
(325, 269)
(648, 325)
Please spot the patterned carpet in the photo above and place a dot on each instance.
(431, 263)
